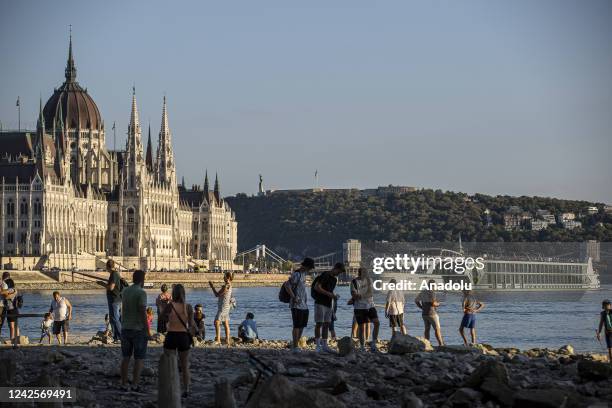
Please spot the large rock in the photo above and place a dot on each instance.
(567, 350)
(548, 398)
(345, 346)
(594, 370)
(498, 391)
(279, 392)
(21, 340)
(409, 400)
(303, 342)
(490, 369)
(404, 343)
(464, 397)
(8, 370)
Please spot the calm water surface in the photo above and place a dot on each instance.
(518, 319)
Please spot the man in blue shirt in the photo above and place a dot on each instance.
(247, 330)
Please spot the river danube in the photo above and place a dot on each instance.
(517, 319)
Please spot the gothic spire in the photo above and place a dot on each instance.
(217, 189)
(41, 119)
(165, 158)
(70, 72)
(149, 155)
(134, 120)
(206, 187)
(134, 143)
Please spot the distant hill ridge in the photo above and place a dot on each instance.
(318, 222)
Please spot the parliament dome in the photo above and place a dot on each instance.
(72, 103)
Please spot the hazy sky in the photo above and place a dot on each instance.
(499, 97)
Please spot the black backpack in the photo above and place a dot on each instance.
(283, 293)
(313, 293)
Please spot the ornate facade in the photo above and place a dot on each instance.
(66, 199)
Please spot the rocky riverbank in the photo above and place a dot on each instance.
(406, 372)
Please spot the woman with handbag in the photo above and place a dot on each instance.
(180, 326)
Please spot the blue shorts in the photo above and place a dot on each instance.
(469, 321)
(134, 342)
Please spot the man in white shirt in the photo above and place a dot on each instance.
(61, 309)
(296, 287)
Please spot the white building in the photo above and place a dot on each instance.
(68, 201)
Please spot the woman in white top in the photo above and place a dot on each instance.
(394, 310)
(224, 306)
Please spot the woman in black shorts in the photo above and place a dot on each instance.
(180, 325)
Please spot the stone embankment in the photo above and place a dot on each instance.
(407, 372)
(34, 280)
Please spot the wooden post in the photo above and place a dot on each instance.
(224, 396)
(168, 381)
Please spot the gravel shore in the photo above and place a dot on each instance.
(401, 374)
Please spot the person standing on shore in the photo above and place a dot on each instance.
(161, 301)
(471, 306)
(224, 305)
(178, 316)
(46, 327)
(394, 310)
(298, 303)
(427, 301)
(10, 296)
(134, 333)
(113, 297)
(323, 294)
(61, 309)
(362, 298)
(605, 324)
(3, 307)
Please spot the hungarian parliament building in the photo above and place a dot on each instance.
(69, 202)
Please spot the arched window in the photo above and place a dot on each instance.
(130, 215)
(23, 208)
(10, 207)
(37, 207)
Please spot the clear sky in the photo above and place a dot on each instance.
(498, 97)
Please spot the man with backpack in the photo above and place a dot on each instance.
(295, 287)
(322, 291)
(605, 323)
(113, 297)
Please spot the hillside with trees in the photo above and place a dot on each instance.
(318, 223)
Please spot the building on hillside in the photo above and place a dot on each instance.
(538, 225)
(69, 202)
(571, 224)
(591, 210)
(515, 218)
